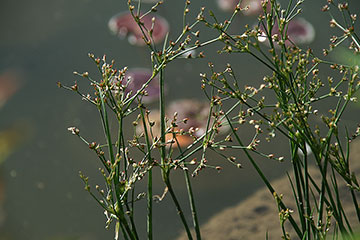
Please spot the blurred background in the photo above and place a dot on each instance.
(43, 42)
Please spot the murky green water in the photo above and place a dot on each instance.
(45, 41)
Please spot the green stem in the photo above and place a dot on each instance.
(123, 230)
(165, 169)
(263, 177)
(105, 121)
(192, 205)
(178, 207)
(307, 195)
(131, 216)
(149, 184)
(298, 177)
(124, 222)
(162, 119)
(149, 206)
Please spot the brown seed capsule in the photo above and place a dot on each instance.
(92, 145)
(353, 17)
(332, 23)
(325, 8)
(74, 87)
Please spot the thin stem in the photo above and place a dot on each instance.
(263, 177)
(178, 207)
(123, 230)
(149, 184)
(149, 206)
(192, 205)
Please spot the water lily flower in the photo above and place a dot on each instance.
(124, 25)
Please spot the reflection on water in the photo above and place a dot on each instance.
(48, 40)
(12, 138)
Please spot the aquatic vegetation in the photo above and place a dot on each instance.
(174, 139)
(284, 105)
(124, 25)
(253, 7)
(196, 114)
(134, 79)
(191, 119)
(227, 5)
(299, 31)
(249, 7)
(297, 86)
(189, 54)
(345, 56)
(256, 215)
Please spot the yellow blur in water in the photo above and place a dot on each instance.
(12, 138)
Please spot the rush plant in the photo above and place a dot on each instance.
(293, 90)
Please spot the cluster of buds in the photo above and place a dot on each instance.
(356, 134)
(200, 167)
(343, 6)
(253, 144)
(178, 164)
(74, 130)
